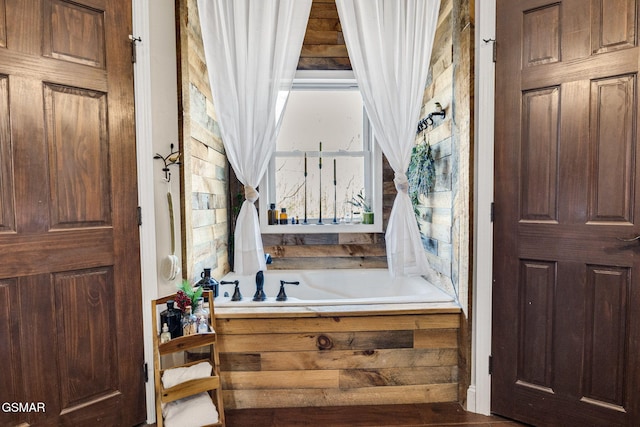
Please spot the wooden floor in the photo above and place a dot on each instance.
(434, 414)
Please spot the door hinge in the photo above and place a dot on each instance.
(493, 212)
(145, 372)
(134, 40)
(494, 47)
(490, 364)
(139, 215)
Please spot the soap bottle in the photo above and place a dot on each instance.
(272, 215)
(165, 336)
(283, 216)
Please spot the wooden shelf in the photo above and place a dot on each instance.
(211, 384)
(186, 343)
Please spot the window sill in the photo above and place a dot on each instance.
(326, 227)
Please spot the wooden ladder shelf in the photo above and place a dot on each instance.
(211, 384)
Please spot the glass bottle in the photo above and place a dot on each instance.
(173, 318)
(201, 310)
(272, 214)
(283, 216)
(207, 282)
(188, 322)
(203, 325)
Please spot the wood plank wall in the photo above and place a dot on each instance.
(204, 172)
(210, 196)
(323, 47)
(340, 360)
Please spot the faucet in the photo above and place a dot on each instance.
(259, 295)
(237, 296)
(281, 295)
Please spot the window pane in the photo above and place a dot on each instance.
(332, 117)
(290, 188)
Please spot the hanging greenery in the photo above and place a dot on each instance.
(422, 172)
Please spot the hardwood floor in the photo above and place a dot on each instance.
(434, 414)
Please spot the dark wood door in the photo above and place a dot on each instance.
(70, 292)
(566, 311)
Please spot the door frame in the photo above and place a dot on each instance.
(142, 71)
(479, 391)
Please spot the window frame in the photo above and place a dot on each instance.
(330, 80)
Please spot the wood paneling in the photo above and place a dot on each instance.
(612, 148)
(606, 354)
(539, 156)
(613, 25)
(3, 23)
(7, 208)
(543, 47)
(86, 307)
(10, 380)
(204, 169)
(536, 324)
(338, 360)
(77, 138)
(74, 33)
(323, 47)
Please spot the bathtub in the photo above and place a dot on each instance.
(332, 288)
(343, 337)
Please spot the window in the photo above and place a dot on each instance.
(326, 136)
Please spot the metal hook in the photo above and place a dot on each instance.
(170, 159)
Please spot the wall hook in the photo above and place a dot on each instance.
(170, 159)
(428, 121)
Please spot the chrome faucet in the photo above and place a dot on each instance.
(259, 295)
(282, 296)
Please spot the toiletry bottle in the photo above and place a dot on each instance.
(165, 336)
(173, 318)
(283, 216)
(203, 326)
(188, 322)
(272, 215)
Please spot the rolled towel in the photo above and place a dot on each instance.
(193, 411)
(175, 376)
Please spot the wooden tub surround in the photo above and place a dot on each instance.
(336, 356)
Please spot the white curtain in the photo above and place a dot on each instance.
(389, 44)
(252, 49)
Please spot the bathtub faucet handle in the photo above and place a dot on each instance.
(259, 295)
(237, 296)
(282, 296)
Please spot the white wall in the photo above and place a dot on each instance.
(155, 74)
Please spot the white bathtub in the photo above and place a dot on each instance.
(332, 287)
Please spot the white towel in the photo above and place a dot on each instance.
(175, 376)
(193, 411)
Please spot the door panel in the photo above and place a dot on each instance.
(69, 258)
(566, 318)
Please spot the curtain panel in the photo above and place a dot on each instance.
(389, 44)
(252, 50)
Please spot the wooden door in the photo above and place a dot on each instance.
(70, 292)
(566, 310)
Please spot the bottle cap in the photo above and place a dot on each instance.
(273, 205)
(165, 328)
